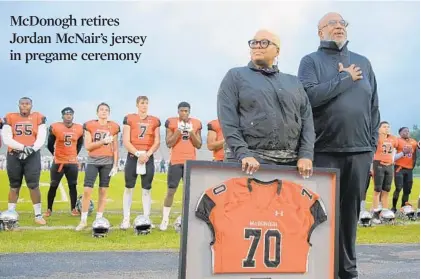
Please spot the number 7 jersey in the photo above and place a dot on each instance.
(260, 227)
(142, 131)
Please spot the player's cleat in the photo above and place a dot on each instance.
(125, 224)
(75, 212)
(40, 220)
(81, 226)
(48, 213)
(164, 225)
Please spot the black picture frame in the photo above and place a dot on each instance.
(190, 164)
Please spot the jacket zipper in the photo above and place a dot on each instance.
(283, 113)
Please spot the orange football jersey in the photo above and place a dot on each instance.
(260, 227)
(407, 161)
(24, 128)
(142, 131)
(99, 132)
(214, 125)
(183, 149)
(65, 150)
(384, 152)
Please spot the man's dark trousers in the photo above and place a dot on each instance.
(353, 178)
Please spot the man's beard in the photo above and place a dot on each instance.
(339, 44)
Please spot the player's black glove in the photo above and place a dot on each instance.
(27, 150)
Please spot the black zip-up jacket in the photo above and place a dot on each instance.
(266, 110)
(346, 112)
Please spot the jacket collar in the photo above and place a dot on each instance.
(267, 71)
(331, 46)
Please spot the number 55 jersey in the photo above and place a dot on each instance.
(260, 227)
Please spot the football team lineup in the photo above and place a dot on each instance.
(62, 221)
(115, 209)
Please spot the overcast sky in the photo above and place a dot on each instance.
(189, 48)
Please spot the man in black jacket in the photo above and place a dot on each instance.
(342, 90)
(265, 115)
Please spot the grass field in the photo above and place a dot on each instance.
(33, 238)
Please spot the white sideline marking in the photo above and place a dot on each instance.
(63, 194)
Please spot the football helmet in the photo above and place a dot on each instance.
(365, 218)
(100, 227)
(177, 224)
(142, 225)
(78, 205)
(9, 220)
(408, 212)
(387, 216)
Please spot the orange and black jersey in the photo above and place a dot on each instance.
(24, 128)
(183, 149)
(260, 227)
(408, 160)
(142, 131)
(384, 152)
(99, 132)
(218, 155)
(65, 142)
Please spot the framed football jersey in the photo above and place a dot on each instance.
(273, 224)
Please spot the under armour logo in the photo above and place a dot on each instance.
(277, 213)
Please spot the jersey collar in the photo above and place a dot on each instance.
(264, 183)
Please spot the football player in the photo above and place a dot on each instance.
(183, 137)
(24, 133)
(405, 159)
(101, 142)
(383, 169)
(215, 140)
(141, 138)
(65, 141)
